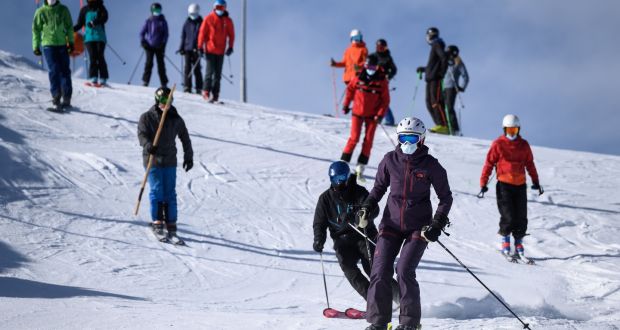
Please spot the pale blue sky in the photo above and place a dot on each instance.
(551, 62)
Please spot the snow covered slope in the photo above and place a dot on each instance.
(72, 256)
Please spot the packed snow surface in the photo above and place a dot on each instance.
(72, 255)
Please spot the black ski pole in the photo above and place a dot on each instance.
(324, 280)
(525, 325)
(388, 135)
(229, 67)
(363, 235)
(368, 248)
(415, 92)
(173, 65)
(135, 68)
(227, 79)
(191, 71)
(115, 53)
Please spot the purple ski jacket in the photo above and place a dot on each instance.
(410, 178)
(155, 31)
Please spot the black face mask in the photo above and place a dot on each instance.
(340, 187)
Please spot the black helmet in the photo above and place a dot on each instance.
(432, 32)
(155, 6)
(372, 60)
(382, 43)
(161, 95)
(452, 50)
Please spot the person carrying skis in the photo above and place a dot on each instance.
(386, 64)
(409, 171)
(354, 57)
(217, 30)
(452, 84)
(93, 17)
(189, 49)
(336, 210)
(153, 38)
(162, 176)
(52, 30)
(511, 155)
(434, 71)
(370, 95)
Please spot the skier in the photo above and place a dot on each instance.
(162, 176)
(409, 171)
(511, 155)
(452, 84)
(52, 29)
(215, 30)
(336, 209)
(371, 99)
(94, 16)
(434, 72)
(189, 49)
(353, 58)
(153, 37)
(386, 63)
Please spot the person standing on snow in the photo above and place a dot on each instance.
(452, 84)
(434, 71)
(511, 155)
(189, 49)
(215, 32)
(336, 210)
(354, 57)
(386, 63)
(409, 171)
(163, 173)
(52, 29)
(370, 95)
(153, 38)
(94, 16)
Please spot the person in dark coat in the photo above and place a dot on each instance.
(93, 18)
(434, 71)
(189, 49)
(453, 84)
(162, 176)
(336, 210)
(408, 221)
(153, 38)
(386, 64)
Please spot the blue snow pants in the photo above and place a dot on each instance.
(58, 63)
(163, 195)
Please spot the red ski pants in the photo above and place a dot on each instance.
(354, 137)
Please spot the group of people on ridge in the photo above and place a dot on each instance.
(56, 38)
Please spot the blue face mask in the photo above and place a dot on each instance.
(219, 12)
(193, 16)
(156, 12)
(408, 148)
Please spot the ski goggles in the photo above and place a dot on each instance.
(512, 130)
(408, 138)
(339, 179)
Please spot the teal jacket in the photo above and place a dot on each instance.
(96, 13)
(52, 26)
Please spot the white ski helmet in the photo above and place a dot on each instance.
(356, 34)
(193, 9)
(412, 125)
(511, 121)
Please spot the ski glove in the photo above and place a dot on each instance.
(362, 214)
(332, 63)
(420, 69)
(378, 119)
(145, 45)
(70, 48)
(483, 190)
(536, 186)
(431, 233)
(229, 51)
(181, 51)
(188, 164)
(460, 89)
(37, 52)
(317, 246)
(151, 149)
(91, 24)
(346, 109)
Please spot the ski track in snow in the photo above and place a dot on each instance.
(71, 246)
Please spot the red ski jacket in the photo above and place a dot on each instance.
(370, 94)
(510, 158)
(214, 31)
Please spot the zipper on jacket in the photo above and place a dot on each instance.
(402, 207)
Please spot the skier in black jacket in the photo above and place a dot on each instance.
(189, 49)
(162, 176)
(434, 72)
(386, 63)
(336, 209)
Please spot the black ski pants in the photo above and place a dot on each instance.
(160, 55)
(191, 59)
(97, 68)
(434, 102)
(512, 205)
(214, 74)
(349, 254)
(450, 102)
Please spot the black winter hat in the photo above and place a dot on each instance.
(453, 50)
(382, 42)
(372, 60)
(155, 5)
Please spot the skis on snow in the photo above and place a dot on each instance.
(349, 313)
(518, 258)
(164, 238)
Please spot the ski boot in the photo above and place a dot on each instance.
(66, 102)
(172, 237)
(377, 327)
(506, 245)
(440, 129)
(520, 252)
(158, 230)
(205, 95)
(409, 327)
(359, 172)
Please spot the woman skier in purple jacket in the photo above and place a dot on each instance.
(407, 221)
